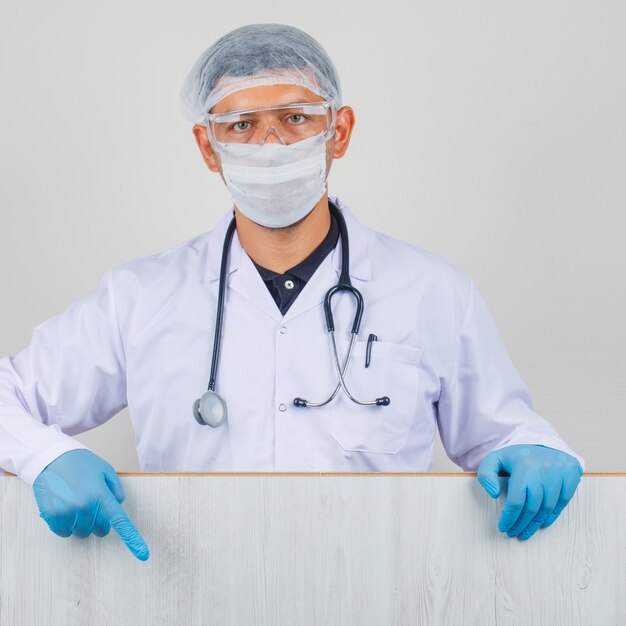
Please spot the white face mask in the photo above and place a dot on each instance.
(276, 185)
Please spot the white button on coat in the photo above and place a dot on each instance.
(145, 339)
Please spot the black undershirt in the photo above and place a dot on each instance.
(285, 288)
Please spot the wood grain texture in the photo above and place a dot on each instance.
(317, 549)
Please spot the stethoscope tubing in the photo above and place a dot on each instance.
(307, 403)
(215, 404)
(219, 318)
(344, 284)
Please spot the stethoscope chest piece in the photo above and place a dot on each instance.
(210, 409)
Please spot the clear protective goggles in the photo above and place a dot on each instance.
(289, 123)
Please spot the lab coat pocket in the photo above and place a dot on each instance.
(393, 372)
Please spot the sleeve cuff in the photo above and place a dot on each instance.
(557, 444)
(39, 461)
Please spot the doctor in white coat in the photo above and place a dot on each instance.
(265, 100)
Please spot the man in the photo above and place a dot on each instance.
(299, 380)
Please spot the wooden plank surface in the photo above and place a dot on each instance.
(317, 549)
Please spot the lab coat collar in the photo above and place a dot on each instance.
(245, 279)
(359, 236)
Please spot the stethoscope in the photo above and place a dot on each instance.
(210, 409)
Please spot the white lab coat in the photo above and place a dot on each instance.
(145, 338)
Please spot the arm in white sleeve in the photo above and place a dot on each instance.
(69, 379)
(484, 405)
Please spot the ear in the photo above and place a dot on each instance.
(344, 124)
(202, 139)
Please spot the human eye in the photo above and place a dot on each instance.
(297, 118)
(240, 126)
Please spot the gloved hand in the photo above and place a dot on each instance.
(80, 493)
(542, 481)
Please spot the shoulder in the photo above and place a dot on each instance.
(416, 257)
(392, 257)
(171, 263)
(413, 272)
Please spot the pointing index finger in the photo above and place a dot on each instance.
(119, 521)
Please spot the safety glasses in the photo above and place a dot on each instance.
(289, 123)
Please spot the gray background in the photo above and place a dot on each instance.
(492, 133)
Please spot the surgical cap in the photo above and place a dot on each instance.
(255, 55)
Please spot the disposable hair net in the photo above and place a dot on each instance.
(255, 55)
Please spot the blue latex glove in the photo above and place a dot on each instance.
(80, 493)
(542, 481)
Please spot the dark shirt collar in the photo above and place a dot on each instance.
(306, 268)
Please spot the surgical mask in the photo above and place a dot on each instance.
(276, 184)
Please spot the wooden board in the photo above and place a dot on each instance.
(317, 549)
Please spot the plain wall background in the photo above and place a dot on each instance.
(492, 133)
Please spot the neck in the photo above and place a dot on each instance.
(279, 249)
